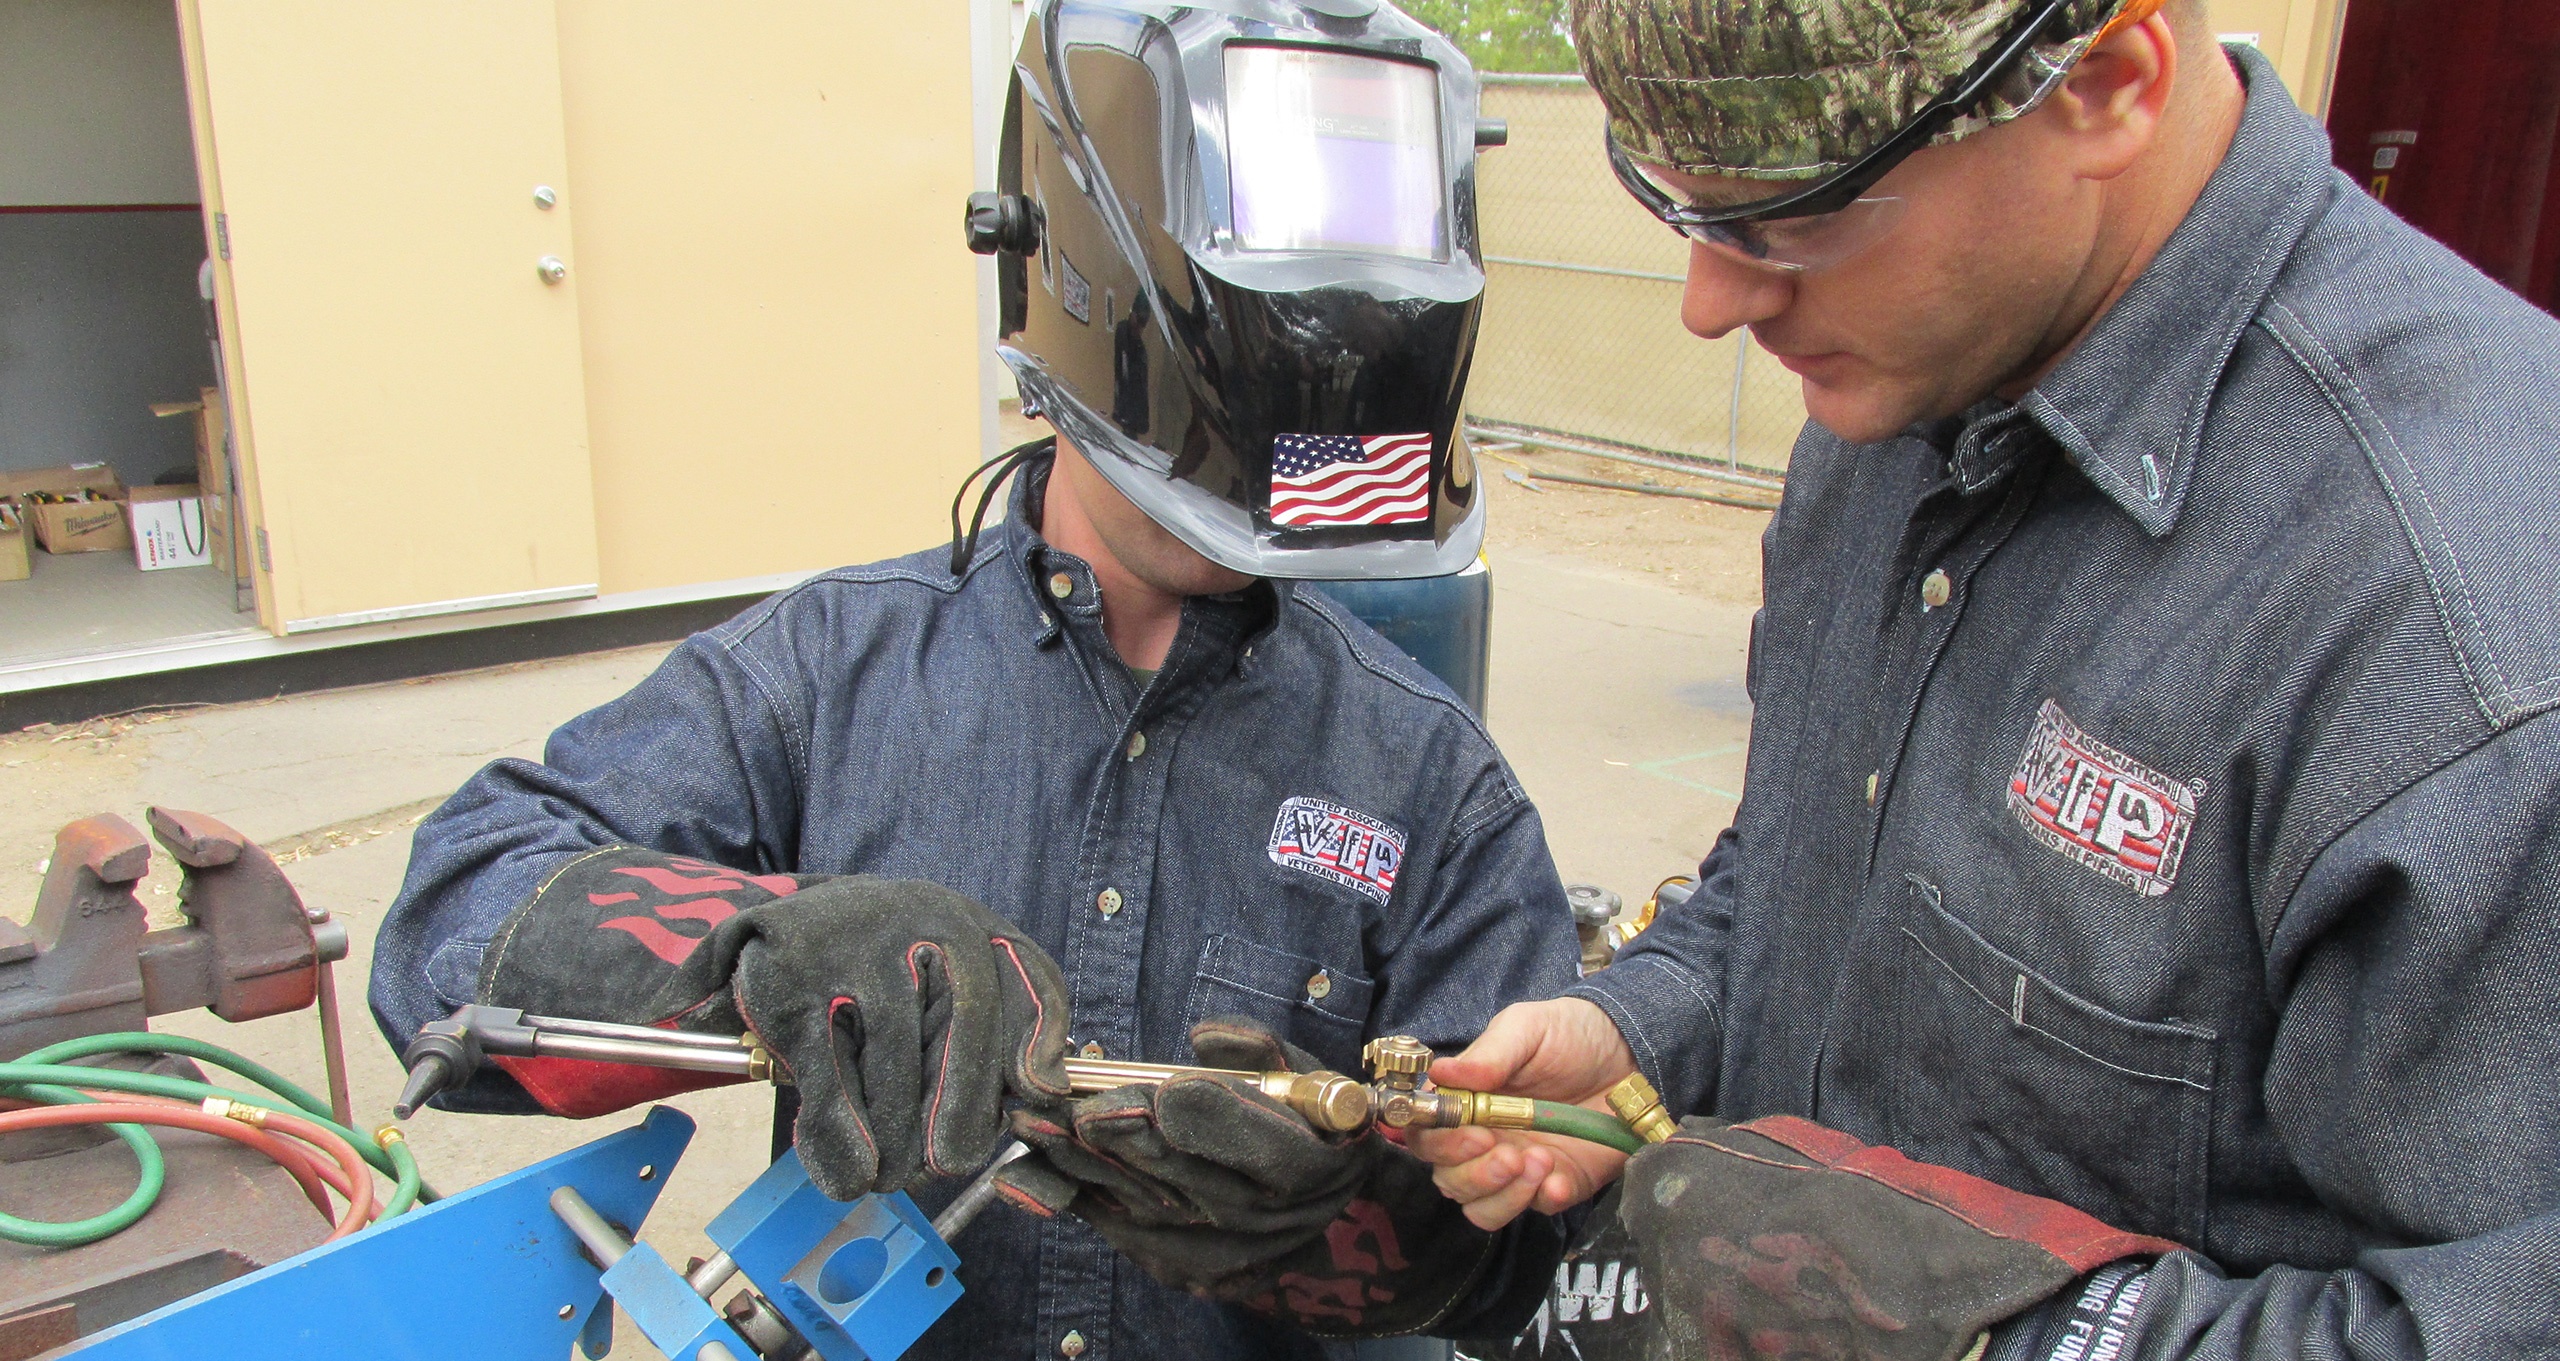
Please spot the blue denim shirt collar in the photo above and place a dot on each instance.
(1253, 610)
(2129, 410)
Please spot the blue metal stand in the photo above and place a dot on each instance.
(490, 1273)
(497, 1273)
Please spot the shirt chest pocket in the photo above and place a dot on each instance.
(1982, 1062)
(1318, 1005)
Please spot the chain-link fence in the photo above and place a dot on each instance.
(1582, 336)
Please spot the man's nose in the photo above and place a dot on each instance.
(1723, 293)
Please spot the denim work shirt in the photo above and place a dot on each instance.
(2153, 786)
(981, 733)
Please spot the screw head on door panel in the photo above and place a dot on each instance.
(552, 268)
(544, 196)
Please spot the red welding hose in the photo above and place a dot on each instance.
(315, 1174)
(358, 1178)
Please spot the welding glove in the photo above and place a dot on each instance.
(1220, 1190)
(1782, 1237)
(904, 1012)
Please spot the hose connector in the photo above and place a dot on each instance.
(1635, 1101)
(224, 1108)
(388, 1135)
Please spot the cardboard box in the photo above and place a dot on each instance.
(168, 528)
(213, 475)
(13, 541)
(94, 525)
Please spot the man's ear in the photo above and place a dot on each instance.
(2114, 105)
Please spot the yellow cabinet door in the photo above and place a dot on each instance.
(400, 306)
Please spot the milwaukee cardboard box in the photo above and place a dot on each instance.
(169, 528)
(75, 509)
(13, 541)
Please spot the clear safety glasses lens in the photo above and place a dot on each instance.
(1795, 244)
(1329, 151)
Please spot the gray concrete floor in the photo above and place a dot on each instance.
(1618, 699)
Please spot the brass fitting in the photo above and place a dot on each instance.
(1397, 1061)
(759, 1061)
(225, 1108)
(1635, 1101)
(388, 1135)
(1328, 1101)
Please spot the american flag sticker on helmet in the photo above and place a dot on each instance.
(1334, 843)
(2101, 807)
(1323, 480)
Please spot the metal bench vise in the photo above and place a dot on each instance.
(84, 964)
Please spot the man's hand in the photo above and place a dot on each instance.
(1562, 1050)
(1220, 1190)
(904, 1012)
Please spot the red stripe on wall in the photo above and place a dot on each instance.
(101, 207)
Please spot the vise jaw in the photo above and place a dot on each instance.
(84, 963)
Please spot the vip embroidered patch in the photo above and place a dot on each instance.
(1334, 843)
(2101, 807)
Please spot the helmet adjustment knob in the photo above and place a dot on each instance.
(1002, 222)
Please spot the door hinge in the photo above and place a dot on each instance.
(222, 235)
(265, 564)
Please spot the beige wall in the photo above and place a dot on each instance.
(2300, 36)
(780, 320)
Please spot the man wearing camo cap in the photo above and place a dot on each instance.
(2137, 936)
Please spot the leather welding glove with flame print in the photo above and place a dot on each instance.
(1220, 1190)
(905, 1013)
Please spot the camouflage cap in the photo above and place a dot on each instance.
(1796, 89)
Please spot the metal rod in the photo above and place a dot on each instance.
(981, 1193)
(333, 1047)
(603, 1240)
(607, 1030)
(1088, 1076)
(1571, 268)
(1706, 470)
(1733, 418)
(733, 1061)
(1682, 492)
(712, 1274)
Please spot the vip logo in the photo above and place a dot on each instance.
(1332, 842)
(2101, 807)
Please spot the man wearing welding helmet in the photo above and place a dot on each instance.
(2136, 936)
(1120, 781)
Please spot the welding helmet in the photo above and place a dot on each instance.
(1237, 267)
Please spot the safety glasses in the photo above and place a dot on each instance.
(1835, 217)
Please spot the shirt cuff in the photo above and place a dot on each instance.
(1669, 1020)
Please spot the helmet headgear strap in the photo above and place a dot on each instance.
(965, 546)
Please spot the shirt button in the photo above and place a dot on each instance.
(1071, 1346)
(1320, 987)
(1871, 786)
(1063, 586)
(1935, 589)
(1108, 900)
(1092, 1050)
(1137, 745)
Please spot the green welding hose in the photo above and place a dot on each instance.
(296, 1100)
(72, 1233)
(44, 1075)
(1576, 1122)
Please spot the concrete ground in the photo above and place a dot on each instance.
(1619, 629)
